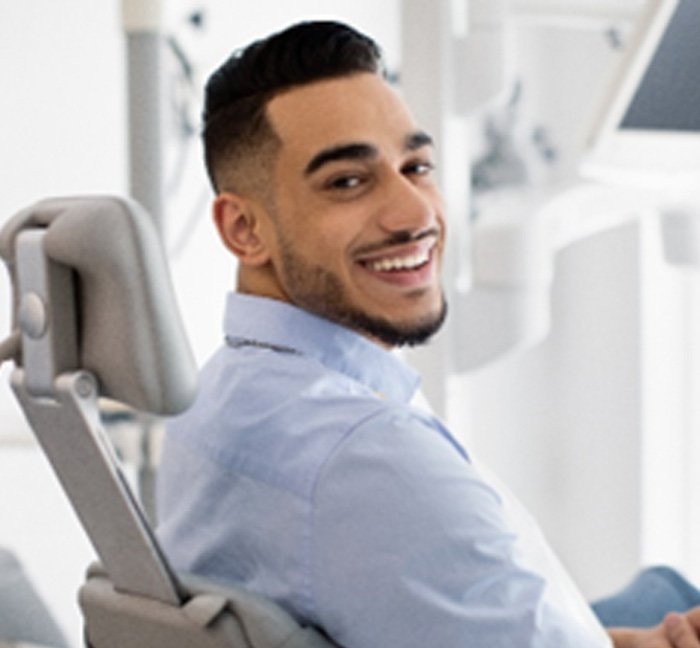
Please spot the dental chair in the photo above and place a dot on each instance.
(94, 318)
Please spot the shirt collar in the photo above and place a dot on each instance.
(276, 323)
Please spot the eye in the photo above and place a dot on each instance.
(345, 182)
(419, 168)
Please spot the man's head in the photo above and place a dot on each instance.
(324, 181)
(235, 124)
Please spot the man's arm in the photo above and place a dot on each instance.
(412, 546)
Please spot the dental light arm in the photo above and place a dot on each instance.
(514, 249)
(143, 24)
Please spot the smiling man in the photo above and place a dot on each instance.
(353, 229)
(302, 471)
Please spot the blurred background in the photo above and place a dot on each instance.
(571, 363)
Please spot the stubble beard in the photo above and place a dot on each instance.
(321, 292)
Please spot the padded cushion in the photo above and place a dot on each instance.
(131, 336)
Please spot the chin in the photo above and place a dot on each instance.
(390, 332)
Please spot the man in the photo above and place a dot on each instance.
(302, 471)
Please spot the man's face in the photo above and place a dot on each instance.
(357, 223)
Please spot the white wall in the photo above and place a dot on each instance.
(62, 132)
(62, 113)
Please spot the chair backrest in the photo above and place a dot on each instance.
(95, 316)
(129, 332)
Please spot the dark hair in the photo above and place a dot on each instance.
(236, 95)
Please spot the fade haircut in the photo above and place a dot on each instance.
(237, 133)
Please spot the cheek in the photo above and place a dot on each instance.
(325, 237)
(321, 229)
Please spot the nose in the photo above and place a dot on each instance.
(410, 205)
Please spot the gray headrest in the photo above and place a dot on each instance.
(130, 332)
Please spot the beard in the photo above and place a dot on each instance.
(321, 292)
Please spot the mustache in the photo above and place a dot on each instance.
(400, 237)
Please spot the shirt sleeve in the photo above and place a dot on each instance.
(411, 547)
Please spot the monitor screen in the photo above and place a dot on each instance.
(668, 97)
(648, 131)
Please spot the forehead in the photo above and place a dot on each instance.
(358, 108)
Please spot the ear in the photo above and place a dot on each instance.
(239, 221)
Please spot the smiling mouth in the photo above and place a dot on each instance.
(414, 258)
(398, 263)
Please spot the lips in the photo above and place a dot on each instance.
(389, 257)
(410, 262)
(403, 260)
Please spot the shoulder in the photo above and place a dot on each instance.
(276, 416)
(397, 452)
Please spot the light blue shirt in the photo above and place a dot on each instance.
(303, 472)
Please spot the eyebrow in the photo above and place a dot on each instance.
(361, 151)
(417, 140)
(341, 152)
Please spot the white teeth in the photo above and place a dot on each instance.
(400, 263)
